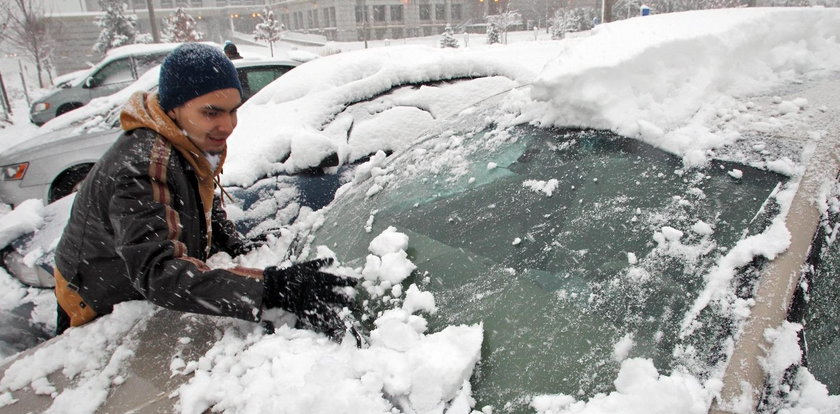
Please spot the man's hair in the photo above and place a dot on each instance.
(193, 70)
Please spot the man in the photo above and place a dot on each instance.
(147, 216)
(231, 51)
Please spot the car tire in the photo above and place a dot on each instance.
(68, 182)
(63, 109)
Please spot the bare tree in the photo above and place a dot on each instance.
(26, 30)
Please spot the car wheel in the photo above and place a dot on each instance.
(68, 182)
(63, 109)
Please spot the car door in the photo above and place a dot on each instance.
(110, 78)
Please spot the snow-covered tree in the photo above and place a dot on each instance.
(448, 37)
(505, 20)
(494, 34)
(269, 29)
(180, 27)
(118, 28)
(571, 20)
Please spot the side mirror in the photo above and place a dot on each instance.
(89, 83)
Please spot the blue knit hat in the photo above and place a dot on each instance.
(193, 70)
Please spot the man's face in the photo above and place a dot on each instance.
(209, 119)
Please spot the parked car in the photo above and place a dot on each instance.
(601, 271)
(119, 68)
(52, 165)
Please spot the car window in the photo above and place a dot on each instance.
(819, 309)
(117, 71)
(143, 63)
(256, 78)
(561, 243)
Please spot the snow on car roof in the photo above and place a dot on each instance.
(666, 79)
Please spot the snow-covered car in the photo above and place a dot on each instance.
(541, 227)
(51, 165)
(119, 68)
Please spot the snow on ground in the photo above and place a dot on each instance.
(693, 84)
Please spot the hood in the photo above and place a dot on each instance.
(143, 111)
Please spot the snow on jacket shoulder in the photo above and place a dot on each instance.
(138, 230)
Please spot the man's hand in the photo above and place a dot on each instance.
(310, 294)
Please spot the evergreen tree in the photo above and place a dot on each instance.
(494, 34)
(118, 28)
(448, 37)
(180, 27)
(571, 20)
(269, 29)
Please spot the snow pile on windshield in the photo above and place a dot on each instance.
(246, 370)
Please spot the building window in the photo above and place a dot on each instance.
(326, 16)
(397, 13)
(457, 13)
(379, 13)
(284, 18)
(360, 14)
(221, 3)
(165, 4)
(425, 12)
(397, 33)
(440, 12)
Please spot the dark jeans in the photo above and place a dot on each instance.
(62, 321)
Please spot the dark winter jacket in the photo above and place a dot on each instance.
(142, 224)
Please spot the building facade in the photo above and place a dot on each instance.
(336, 20)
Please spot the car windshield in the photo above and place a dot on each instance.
(819, 310)
(564, 244)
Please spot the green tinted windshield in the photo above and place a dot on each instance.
(561, 243)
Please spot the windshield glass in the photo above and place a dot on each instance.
(563, 244)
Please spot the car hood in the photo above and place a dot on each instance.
(54, 141)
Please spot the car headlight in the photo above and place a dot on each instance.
(13, 172)
(40, 106)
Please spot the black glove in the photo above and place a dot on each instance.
(248, 245)
(309, 293)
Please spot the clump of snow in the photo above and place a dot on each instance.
(623, 347)
(25, 218)
(637, 386)
(736, 173)
(702, 228)
(539, 186)
(784, 350)
(389, 264)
